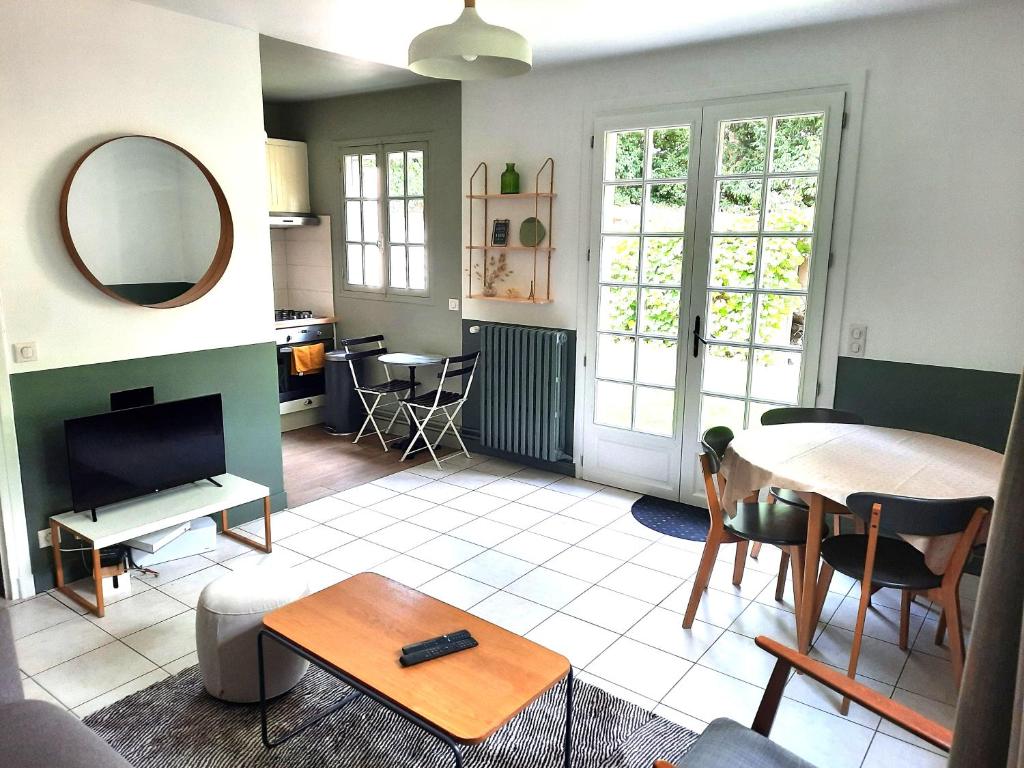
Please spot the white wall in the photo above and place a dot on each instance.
(927, 232)
(71, 75)
(74, 74)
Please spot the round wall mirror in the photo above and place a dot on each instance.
(145, 222)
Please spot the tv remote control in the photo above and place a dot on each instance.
(437, 651)
(422, 645)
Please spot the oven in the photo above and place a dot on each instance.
(296, 389)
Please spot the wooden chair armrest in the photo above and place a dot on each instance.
(893, 711)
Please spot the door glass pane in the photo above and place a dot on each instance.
(615, 356)
(625, 155)
(396, 221)
(786, 263)
(353, 220)
(373, 267)
(417, 267)
(755, 410)
(663, 260)
(396, 174)
(790, 204)
(416, 180)
(733, 262)
(742, 145)
(720, 412)
(370, 177)
(354, 263)
(670, 153)
(620, 259)
(396, 268)
(416, 227)
(737, 205)
(656, 362)
(617, 311)
(725, 369)
(780, 319)
(666, 208)
(655, 410)
(729, 315)
(776, 375)
(613, 404)
(621, 211)
(796, 143)
(660, 311)
(351, 164)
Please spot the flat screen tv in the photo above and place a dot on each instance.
(136, 451)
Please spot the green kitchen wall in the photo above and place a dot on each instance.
(245, 376)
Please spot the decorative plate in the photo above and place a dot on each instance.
(532, 232)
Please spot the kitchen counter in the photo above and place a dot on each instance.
(304, 322)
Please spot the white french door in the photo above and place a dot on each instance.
(709, 256)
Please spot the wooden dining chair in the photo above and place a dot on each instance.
(880, 559)
(777, 523)
(789, 415)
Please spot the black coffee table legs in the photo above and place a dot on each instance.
(360, 690)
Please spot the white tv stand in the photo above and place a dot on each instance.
(136, 517)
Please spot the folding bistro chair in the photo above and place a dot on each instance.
(372, 395)
(442, 401)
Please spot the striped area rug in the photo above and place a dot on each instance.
(175, 723)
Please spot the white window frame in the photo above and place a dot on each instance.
(381, 150)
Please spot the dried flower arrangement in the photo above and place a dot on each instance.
(491, 272)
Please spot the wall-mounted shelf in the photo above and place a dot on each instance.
(541, 248)
(517, 196)
(512, 299)
(481, 270)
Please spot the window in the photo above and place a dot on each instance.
(384, 191)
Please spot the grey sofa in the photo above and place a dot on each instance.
(37, 734)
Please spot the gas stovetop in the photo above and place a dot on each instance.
(291, 314)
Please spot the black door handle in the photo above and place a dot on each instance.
(697, 338)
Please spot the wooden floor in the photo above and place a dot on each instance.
(317, 464)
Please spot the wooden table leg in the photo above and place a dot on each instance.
(805, 615)
(265, 545)
(58, 560)
(58, 567)
(97, 579)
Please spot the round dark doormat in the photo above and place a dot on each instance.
(684, 521)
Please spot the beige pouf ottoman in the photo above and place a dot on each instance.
(228, 619)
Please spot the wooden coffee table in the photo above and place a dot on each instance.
(355, 631)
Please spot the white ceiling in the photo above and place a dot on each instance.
(561, 31)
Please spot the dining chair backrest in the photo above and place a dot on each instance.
(917, 517)
(714, 441)
(358, 341)
(458, 365)
(808, 416)
(352, 357)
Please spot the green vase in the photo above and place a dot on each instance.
(510, 180)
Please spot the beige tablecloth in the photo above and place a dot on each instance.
(835, 460)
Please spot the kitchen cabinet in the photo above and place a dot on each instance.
(287, 176)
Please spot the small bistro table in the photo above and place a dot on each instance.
(412, 361)
(825, 463)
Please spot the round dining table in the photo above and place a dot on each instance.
(825, 463)
(412, 361)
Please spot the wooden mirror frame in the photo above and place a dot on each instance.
(221, 256)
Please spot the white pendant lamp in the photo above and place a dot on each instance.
(470, 49)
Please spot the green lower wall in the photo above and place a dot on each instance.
(964, 404)
(245, 376)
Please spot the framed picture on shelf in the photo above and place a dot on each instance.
(499, 234)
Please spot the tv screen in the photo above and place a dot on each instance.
(124, 454)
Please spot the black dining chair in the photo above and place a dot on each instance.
(879, 558)
(372, 395)
(789, 415)
(442, 402)
(776, 523)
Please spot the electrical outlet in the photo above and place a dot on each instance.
(25, 352)
(45, 538)
(857, 342)
(453, 305)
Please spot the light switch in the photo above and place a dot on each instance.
(857, 341)
(25, 352)
(453, 305)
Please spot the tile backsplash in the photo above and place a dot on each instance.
(303, 271)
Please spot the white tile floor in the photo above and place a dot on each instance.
(559, 560)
